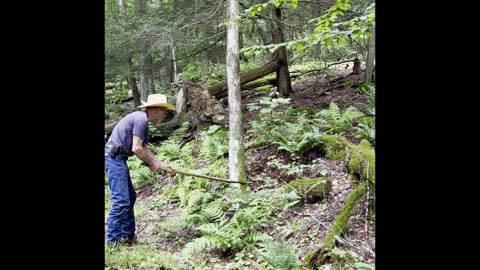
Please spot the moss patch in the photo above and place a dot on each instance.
(267, 87)
(311, 190)
(261, 80)
(318, 256)
(361, 163)
(333, 148)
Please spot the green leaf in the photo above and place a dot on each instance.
(328, 41)
(259, 9)
(277, 4)
(252, 13)
(266, 110)
(298, 46)
(364, 266)
(294, 3)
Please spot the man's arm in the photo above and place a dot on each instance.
(147, 156)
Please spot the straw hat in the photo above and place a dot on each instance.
(157, 100)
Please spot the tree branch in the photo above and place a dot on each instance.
(207, 177)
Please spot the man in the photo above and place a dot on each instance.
(128, 138)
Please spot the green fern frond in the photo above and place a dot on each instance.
(338, 122)
(194, 219)
(366, 131)
(209, 228)
(213, 210)
(182, 192)
(278, 255)
(255, 237)
(170, 148)
(196, 199)
(214, 142)
(351, 113)
(202, 243)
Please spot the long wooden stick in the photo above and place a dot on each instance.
(205, 176)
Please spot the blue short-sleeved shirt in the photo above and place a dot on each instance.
(135, 123)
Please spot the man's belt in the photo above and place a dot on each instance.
(115, 149)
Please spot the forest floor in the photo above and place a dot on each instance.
(315, 219)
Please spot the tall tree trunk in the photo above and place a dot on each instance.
(283, 75)
(370, 66)
(242, 55)
(163, 69)
(132, 82)
(163, 54)
(205, 63)
(236, 154)
(174, 62)
(266, 39)
(147, 85)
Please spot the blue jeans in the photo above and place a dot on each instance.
(121, 219)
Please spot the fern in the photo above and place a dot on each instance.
(278, 255)
(196, 199)
(170, 148)
(290, 129)
(214, 142)
(256, 237)
(213, 210)
(141, 175)
(194, 219)
(182, 192)
(202, 243)
(335, 121)
(210, 228)
(366, 131)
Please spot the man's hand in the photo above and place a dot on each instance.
(166, 168)
(155, 166)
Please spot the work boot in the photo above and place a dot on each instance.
(129, 240)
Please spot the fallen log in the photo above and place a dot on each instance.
(220, 89)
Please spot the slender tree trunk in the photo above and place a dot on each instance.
(163, 53)
(205, 63)
(370, 66)
(266, 39)
(132, 82)
(147, 85)
(242, 55)
(163, 69)
(283, 75)
(236, 155)
(174, 62)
